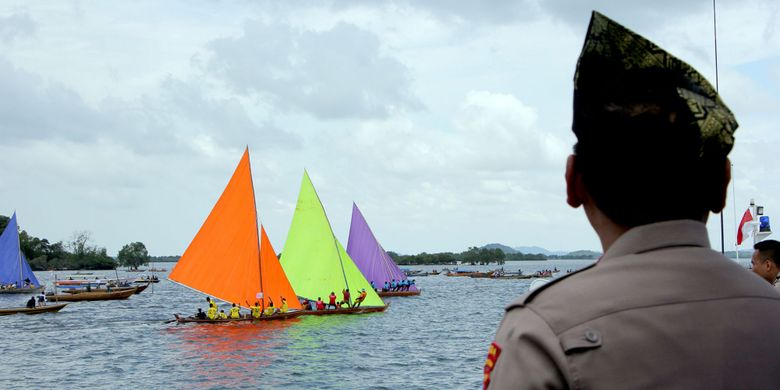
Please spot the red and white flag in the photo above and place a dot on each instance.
(746, 227)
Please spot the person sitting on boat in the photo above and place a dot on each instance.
(200, 315)
(360, 298)
(306, 304)
(31, 303)
(320, 305)
(255, 309)
(212, 312)
(235, 312)
(393, 285)
(222, 315)
(283, 308)
(332, 300)
(386, 287)
(41, 299)
(373, 285)
(270, 310)
(27, 283)
(347, 299)
(211, 303)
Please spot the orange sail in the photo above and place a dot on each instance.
(274, 281)
(225, 259)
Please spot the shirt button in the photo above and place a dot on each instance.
(591, 336)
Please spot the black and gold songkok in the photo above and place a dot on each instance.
(628, 90)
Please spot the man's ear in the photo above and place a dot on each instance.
(574, 186)
(721, 189)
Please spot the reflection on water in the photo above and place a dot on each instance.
(224, 355)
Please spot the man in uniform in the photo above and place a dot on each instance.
(765, 261)
(660, 309)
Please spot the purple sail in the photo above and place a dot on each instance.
(14, 268)
(372, 260)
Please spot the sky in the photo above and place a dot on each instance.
(447, 122)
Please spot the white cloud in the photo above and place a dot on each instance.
(337, 73)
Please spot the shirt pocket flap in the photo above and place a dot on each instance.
(578, 340)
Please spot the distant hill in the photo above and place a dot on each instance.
(580, 254)
(504, 248)
(584, 254)
(532, 249)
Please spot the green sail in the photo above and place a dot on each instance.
(314, 261)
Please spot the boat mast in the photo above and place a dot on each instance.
(257, 230)
(715, 36)
(19, 252)
(335, 243)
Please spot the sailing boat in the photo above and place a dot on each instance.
(372, 260)
(16, 276)
(314, 260)
(231, 259)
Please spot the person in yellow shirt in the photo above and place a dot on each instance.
(255, 309)
(222, 315)
(283, 308)
(235, 312)
(270, 310)
(212, 312)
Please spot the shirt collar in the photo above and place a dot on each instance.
(654, 236)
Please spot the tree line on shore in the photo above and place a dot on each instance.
(77, 253)
(482, 256)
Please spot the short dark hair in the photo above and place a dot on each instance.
(769, 249)
(639, 153)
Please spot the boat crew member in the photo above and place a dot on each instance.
(360, 298)
(386, 287)
(320, 304)
(347, 299)
(200, 314)
(766, 260)
(42, 299)
(306, 304)
(373, 286)
(283, 308)
(393, 285)
(235, 312)
(212, 312)
(222, 315)
(255, 309)
(649, 166)
(31, 303)
(211, 303)
(332, 300)
(270, 310)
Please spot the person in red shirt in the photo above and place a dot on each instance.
(346, 298)
(332, 300)
(320, 304)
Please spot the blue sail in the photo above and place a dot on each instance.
(13, 265)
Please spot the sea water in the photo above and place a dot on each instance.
(436, 340)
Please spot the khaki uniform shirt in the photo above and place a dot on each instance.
(660, 310)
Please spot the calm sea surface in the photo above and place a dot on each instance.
(436, 340)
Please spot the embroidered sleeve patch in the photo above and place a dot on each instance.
(493, 352)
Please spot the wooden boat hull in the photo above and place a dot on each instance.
(33, 290)
(37, 310)
(93, 296)
(138, 289)
(351, 310)
(274, 317)
(398, 293)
